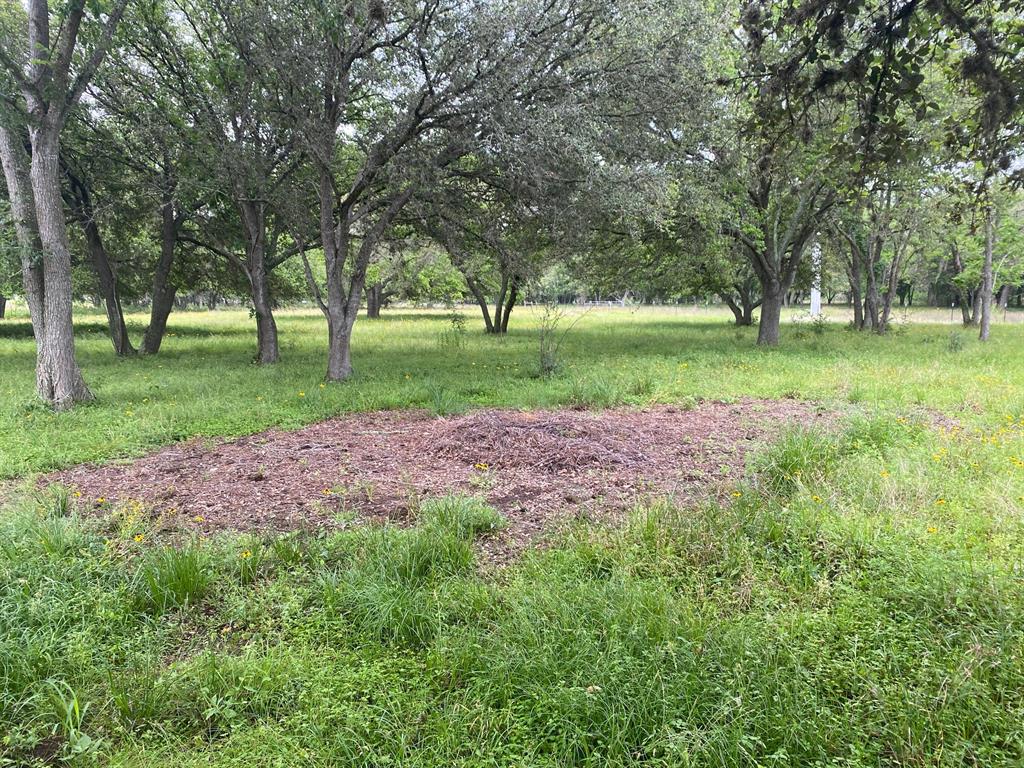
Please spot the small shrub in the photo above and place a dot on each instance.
(60, 536)
(220, 693)
(877, 434)
(453, 338)
(550, 358)
(687, 403)
(406, 583)
(423, 555)
(249, 561)
(69, 713)
(955, 342)
(803, 454)
(289, 550)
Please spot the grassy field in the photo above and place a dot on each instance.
(203, 383)
(858, 601)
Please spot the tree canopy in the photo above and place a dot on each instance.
(494, 151)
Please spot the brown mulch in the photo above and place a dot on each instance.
(541, 466)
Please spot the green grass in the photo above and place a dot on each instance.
(203, 382)
(857, 600)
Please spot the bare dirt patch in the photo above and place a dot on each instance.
(536, 467)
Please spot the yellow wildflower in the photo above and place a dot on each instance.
(246, 554)
(481, 466)
(138, 537)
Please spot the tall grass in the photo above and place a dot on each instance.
(842, 618)
(172, 577)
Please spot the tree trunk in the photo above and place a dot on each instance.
(773, 295)
(499, 308)
(747, 300)
(513, 295)
(892, 283)
(987, 277)
(742, 312)
(339, 333)
(336, 238)
(374, 300)
(108, 286)
(15, 161)
(61, 378)
(965, 308)
(737, 311)
(342, 310)
(481, 299)
(976, 300)
(86, 218)
(163, 290)
(872, 300)
(266, 326)
(3, 306)
(856, 297)
(1004, 296)
(883, 322)
(255, 224)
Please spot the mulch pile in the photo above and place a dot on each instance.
(536, 467)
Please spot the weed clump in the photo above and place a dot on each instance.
(170, 577)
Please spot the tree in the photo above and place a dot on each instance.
(497, 239)
(409, 268)
(874, 57)
(783, 178)
(50, 74)
(402, 95)
(79, 194)
(878, 228)
(209, 53)
(142, 123)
